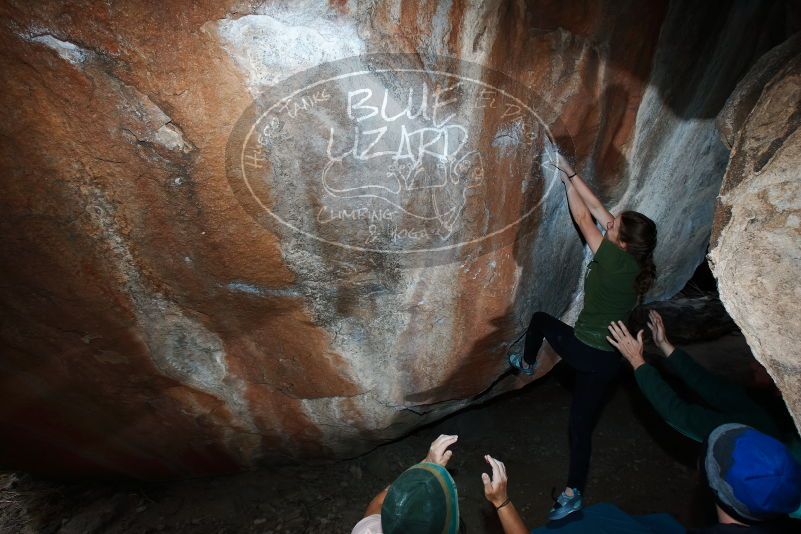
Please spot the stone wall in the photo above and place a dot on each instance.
(756, 240)
(154, 325)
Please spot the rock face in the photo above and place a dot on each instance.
(756, 254)
(156, 322)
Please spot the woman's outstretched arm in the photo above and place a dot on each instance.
(581, 214)
(597, 209)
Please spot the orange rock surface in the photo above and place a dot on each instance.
(153, 327)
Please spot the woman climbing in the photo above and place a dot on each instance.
(621, 271)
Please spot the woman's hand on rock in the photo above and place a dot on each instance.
(564, 166)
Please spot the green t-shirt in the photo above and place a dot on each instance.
(609, 294)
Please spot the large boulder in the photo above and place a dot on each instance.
(166, 314)
(756, 240)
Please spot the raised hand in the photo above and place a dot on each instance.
(657, 328)
(564, 165)
(438, 453)
(495, 487)
(560, 163)
(629, 347)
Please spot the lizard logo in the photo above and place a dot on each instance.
(376, 154)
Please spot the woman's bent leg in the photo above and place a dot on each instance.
(561, 338)
(545, 326)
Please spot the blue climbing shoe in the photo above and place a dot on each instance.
(565, 505)
(517, 362)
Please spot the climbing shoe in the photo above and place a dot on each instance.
(565, 505)
(517, 362)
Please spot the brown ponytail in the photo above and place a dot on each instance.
(638, 233)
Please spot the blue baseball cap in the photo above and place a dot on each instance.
(753, 476)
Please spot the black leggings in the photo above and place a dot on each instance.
(595, 372)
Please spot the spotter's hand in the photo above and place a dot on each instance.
(629, 347)
(495, 487)
(438, 453)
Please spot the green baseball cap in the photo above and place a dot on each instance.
(422, 500)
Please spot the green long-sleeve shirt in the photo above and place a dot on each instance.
(727, 402)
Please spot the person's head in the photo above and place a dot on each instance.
(422, 499)
(636, 234)
(752, 475)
